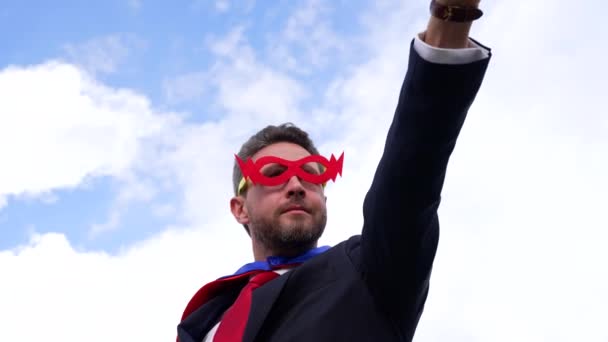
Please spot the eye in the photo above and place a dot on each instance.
(313, 168)
(274, 170)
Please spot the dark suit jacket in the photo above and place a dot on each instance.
(373, 286)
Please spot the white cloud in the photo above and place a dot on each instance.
(112, 223)
(222, 5)
(137, 295)
(186, 87)
(104, 55)
(242, 83)
(134, 4)
(523, 224)
(58, 126)
(133, 190)
(308, 41)
(164, 210)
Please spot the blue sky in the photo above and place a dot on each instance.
(144, 47)
(154, 42)
(119, 121)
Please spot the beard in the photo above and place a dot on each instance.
(288, 236)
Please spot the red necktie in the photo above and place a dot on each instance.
(232, 326)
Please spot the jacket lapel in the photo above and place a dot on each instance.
(198, 323)
(261, 302)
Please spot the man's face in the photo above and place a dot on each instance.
(288, 218)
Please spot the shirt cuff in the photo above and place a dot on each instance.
(474, 53)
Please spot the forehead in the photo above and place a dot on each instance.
(285, 150)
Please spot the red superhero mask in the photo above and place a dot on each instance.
(271, 170)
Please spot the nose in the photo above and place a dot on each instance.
(295, 188)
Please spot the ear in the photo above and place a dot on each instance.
(239, 211)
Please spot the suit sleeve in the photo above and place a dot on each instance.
(401, 229)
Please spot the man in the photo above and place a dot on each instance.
(373, 286)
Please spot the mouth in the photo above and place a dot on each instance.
(296, 209)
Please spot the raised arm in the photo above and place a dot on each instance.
(449, 34)
(401, 229)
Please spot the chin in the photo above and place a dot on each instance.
(297, 224)
(290, 233)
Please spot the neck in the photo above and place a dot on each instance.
(261, 253)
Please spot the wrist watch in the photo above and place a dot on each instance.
(461, 14)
